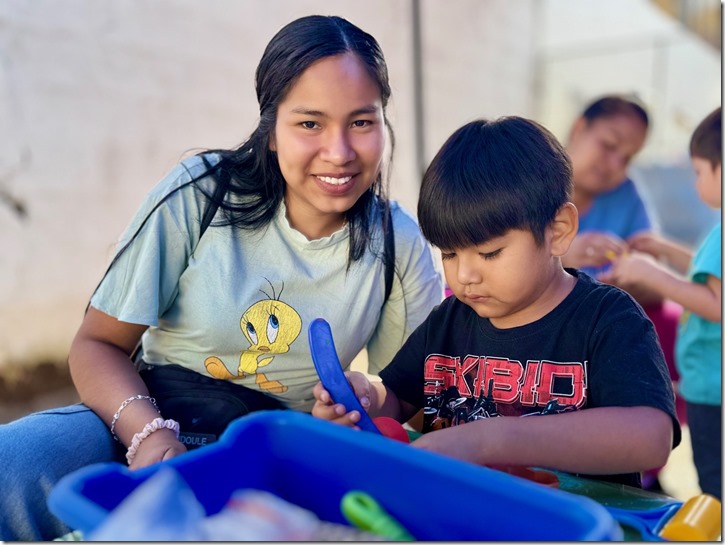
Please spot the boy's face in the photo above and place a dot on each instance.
(708, 181)
(508, 279)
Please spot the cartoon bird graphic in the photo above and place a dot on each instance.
(270, 326)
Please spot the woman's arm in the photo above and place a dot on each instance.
(104, 376)
(602, 440)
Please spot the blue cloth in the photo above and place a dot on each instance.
(36, 452)
(699, 342)
(620, 212)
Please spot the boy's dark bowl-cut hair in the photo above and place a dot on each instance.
(491, 177)
(706, 140)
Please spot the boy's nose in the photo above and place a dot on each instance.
(467, 273)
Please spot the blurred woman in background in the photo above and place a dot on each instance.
(602, 142)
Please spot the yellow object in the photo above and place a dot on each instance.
(699, 519)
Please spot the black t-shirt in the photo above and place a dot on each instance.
(597, 348)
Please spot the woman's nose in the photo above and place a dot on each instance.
(618, 163)
(337, 148)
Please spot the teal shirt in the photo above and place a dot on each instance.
(698, 352)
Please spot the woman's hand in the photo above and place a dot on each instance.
(630, 270)
(327, 409)
(594, 250)
(159, 446)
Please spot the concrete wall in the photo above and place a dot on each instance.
(99, 99)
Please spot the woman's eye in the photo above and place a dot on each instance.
(309, 124)
(361, 123)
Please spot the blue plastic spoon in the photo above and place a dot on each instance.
(328, 367)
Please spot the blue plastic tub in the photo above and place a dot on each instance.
(313, 463)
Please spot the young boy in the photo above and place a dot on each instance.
(576, 359)
(698, 351)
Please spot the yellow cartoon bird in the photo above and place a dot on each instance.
(270, 326)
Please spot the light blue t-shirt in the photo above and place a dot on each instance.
(240, 302)
(620, 212)
(698, 352)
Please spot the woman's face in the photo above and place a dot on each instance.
(329, 138)
(601, 150)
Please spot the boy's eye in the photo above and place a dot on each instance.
(447, 255)
(361, 123)
(491, 255)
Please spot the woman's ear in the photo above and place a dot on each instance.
(272, 143)
(563, 229)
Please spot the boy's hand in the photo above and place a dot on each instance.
(326, 408)
(453, 442)
(646, 242)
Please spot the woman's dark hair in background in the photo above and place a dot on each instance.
(611, 105)
(706, 141)
(490, 177)
(256, 184)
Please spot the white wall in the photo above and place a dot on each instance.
(589, 48)
(99, 99)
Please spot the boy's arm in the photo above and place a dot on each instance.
(602, 440)
(701, 299)
(674, 255)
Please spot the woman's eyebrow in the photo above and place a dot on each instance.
(302, 110)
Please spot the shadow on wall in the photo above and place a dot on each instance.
(677, 209)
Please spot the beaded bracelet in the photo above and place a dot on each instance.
(155, 425)
(123, 406)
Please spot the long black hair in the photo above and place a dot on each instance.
(255, 183)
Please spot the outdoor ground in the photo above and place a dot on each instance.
(24, 390)
(49, 385)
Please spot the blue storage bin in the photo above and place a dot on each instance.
(313, 463)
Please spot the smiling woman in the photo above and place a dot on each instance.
(298, 218)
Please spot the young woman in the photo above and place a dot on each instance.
(301, 229)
